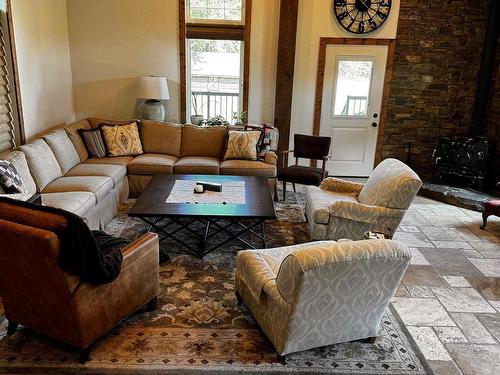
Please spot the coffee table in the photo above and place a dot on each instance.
(233, 221)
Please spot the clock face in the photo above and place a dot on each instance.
(361, 16)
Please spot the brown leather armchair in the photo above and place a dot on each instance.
(38, 294)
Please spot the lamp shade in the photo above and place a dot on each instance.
(153, 88)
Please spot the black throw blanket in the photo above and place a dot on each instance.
(94, 256)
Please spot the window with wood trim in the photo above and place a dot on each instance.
(214, 57)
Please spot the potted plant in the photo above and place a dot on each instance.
(240, 118)
(215, 121)
(196, 119)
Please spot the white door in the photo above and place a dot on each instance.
(352, 97)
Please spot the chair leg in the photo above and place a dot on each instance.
(485, 218)
(151, 305)
(84, 355)
(284, 190)
(281, 358)
(238, 297)
(276, 197)
(293, 185)
(12, 327)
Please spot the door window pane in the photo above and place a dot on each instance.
(223, 10)
(214, 68)
(352, 88)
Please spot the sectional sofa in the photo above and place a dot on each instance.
(57, 165)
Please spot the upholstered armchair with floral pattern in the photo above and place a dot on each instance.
(343, 209)
(320, 293)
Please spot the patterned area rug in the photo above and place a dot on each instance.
(199, 328)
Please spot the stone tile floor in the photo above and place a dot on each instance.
(449, 298)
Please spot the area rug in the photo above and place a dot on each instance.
(199, 328)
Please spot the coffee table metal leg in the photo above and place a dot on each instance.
(264, 239)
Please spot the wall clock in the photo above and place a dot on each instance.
(361, 16)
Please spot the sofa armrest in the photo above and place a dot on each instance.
(254, 271)
(271, 158)
(140, 247)
(362, 212)
(341, 186)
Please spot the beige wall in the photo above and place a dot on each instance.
(113, 42)
(316, 20)
(43, 60)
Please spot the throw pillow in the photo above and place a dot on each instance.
(242, 145)
(10, 181)
(122, 140)
(94, 143)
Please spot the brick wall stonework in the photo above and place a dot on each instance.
(437, 57)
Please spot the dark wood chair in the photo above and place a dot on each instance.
(307, 147)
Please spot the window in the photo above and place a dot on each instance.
(217, 11)
(10, 117)
(214, 57)
(352, 87)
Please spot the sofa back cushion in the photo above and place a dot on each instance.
(203, 141)
(42, 163)
(161, 137)
(18, 160)
(63, 149)
(98, 122)
(392, 184)
(73, 134)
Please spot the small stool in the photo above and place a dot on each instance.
(490, 208)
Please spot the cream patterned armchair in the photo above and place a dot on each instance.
(342, 209)
(320, 293)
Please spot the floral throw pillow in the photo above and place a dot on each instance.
(242, 145)
(122, 140)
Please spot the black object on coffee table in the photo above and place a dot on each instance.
(232, 220)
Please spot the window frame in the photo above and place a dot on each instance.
(213, 30)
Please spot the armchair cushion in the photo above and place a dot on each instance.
(392, 184)
(320, 201)
(302, 175)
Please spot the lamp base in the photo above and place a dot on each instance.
(153, 109)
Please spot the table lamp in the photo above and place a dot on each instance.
(153, 89)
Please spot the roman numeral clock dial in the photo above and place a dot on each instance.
(361, 16)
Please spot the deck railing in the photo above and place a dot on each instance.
(210, 104)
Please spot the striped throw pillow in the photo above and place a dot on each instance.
(94, 142)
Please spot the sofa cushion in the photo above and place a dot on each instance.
(96, 122)
(42, 163)
(243, 145)
(152, 164)
(203, 141)
(319, 202)
(98, 185)
(114, 160)
(161, 137)
(392, 184)
(122, 140)
(115, 172)
(18, 160)
(63, 149)
(73, 134)
(197, 164)
(247, 168)
(94, 142)
(78, 202)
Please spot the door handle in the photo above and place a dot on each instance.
(374, 124)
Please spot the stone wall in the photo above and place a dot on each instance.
(494, 113)
(437, 57)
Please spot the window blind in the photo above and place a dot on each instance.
(6, 128)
